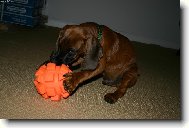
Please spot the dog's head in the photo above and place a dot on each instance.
(76, 42)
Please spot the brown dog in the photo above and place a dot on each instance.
(99, 50)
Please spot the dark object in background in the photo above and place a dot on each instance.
(28, 13)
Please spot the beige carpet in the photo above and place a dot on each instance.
(155, 96)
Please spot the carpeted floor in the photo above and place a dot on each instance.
(155, 96)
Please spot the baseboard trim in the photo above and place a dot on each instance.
(55, 23)
(161, 43)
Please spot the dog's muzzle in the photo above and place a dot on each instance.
(66, 57)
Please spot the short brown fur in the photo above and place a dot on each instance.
(113, 56)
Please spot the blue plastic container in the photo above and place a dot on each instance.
(21, 20)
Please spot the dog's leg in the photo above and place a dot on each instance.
(129, 79)
(72, 80)
(111, 82)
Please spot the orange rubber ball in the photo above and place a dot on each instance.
(49, 81)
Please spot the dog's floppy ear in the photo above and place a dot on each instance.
(93, 54)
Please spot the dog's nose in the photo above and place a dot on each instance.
(54, 58)
(63, 57)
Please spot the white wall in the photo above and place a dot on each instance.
(148, 21)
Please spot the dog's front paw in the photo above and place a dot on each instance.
(70, 82)
(110, 98)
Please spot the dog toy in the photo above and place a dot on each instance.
(49, 81)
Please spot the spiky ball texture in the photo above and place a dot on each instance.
(49, 81)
